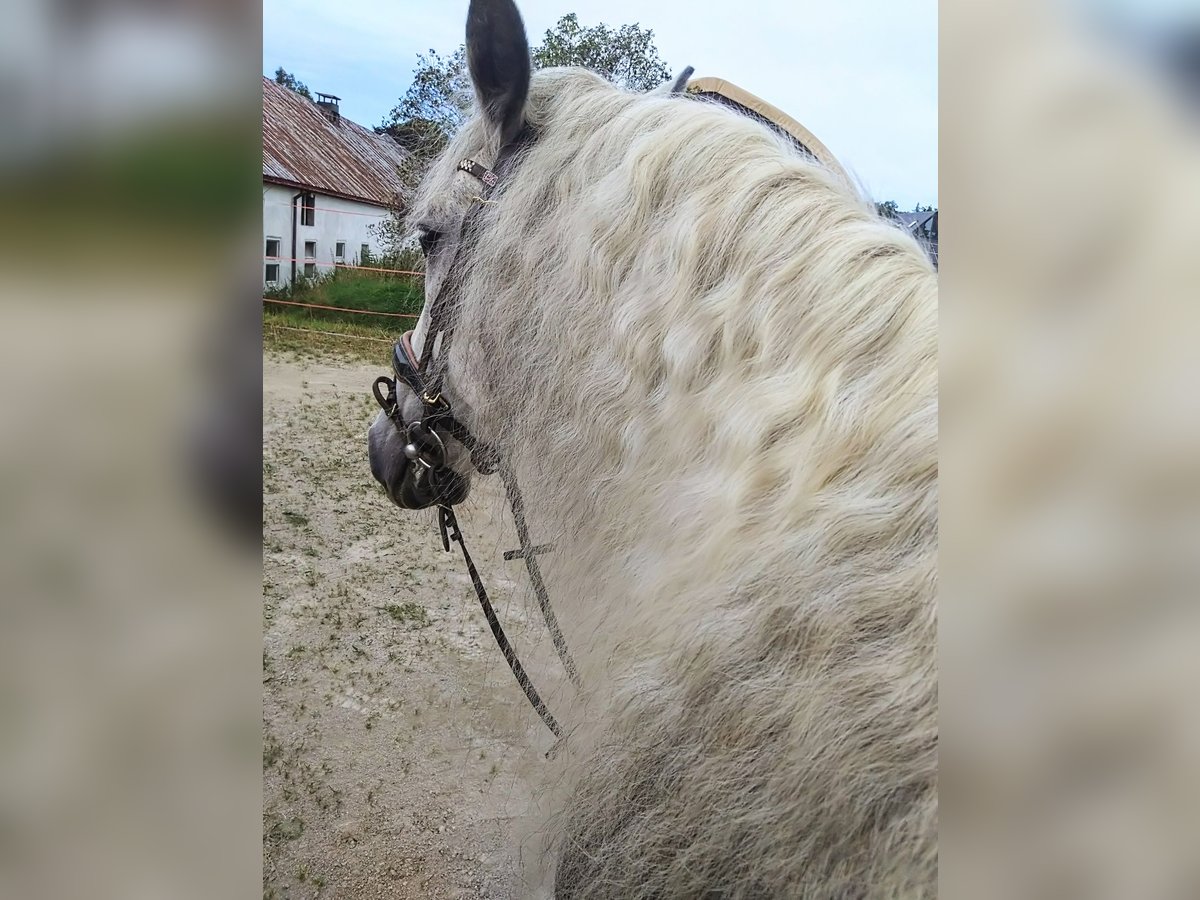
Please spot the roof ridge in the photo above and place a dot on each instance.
(301, 145)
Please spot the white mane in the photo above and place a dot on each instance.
(714, 369)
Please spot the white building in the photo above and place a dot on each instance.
(326, 180)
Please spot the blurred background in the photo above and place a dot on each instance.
(1070, 443)
(130, 464)
(130, 470)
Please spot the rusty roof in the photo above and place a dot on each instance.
(303, 148)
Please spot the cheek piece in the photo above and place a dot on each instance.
(434, 482)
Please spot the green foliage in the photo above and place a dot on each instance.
(291, 82)
(408, 258)
(433, 108)
(285, 829)
(417, 135)
(395, 234)
(348, 289)
(408, 612)
(294, 331)
(888, 209)
(625, 56)
(435, 105)
(440, 97)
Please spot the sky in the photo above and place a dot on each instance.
(859, 74)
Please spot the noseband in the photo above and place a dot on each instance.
(425, 448)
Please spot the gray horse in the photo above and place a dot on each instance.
(713, 369)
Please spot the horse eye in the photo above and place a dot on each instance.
(428, 239)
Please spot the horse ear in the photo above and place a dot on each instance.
(678, 86)
(681, 82)
(498, 57)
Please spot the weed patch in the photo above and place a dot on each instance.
(410, 612)
(286, 829)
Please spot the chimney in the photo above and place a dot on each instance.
(328, 104)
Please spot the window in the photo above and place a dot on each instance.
(310, 249)
(339, 253)
(271, 268)
(310, 270)
(365, 254)
(308, 209)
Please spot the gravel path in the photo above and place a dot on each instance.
(395, 741)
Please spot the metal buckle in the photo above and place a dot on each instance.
(424, 446)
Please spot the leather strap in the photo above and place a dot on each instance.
(437, 414)
(489, 178)
(529, 552)
(448, 525)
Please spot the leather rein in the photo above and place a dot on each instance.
(426, 449)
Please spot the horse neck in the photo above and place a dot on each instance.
(711, 354)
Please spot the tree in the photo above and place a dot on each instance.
(291, 82)
(625, 56)
(440, 97)
(888, 209)
(435, 105)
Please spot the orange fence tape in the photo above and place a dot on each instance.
(357, 337)
(342, 265)
(334, 212)
(364, 312)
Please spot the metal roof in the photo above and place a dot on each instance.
(305, 148)
(915, 220)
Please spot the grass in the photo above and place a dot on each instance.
(348, 289)
(408, 612)
(325, 339)
(286, 829)
(295, 518)
(330, 640)
(272, 751)
(289, 328)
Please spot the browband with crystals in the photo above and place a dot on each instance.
(489, 178)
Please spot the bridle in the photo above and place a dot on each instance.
(425, 447)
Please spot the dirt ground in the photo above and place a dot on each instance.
(394, 738)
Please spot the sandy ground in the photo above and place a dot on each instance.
(394, 738)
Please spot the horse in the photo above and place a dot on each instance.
(712, 366)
